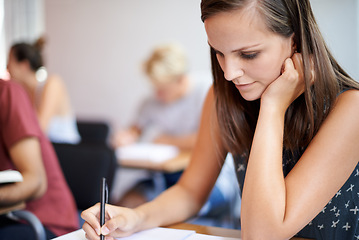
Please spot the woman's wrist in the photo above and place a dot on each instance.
(143, 218)
(272, 108)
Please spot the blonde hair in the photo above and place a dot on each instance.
(165, 63)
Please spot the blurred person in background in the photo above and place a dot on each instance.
(170, 116)
(48, 93)
(176, 94)
(25, 148)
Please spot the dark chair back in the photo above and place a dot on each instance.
(84, 165)
(93, 131)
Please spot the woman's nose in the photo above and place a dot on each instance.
(232, 69)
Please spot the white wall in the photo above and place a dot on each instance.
(339, 23)
(3, 48)
(20, 20)
(97, 46)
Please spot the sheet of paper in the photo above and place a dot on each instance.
(9, 176)
(155, 234)
(198, 236)
(160, 234)
(76, 235)
(147, 152)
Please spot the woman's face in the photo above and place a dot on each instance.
(169, 90)
(250, 55)
(14, 67)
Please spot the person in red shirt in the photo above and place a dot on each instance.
(24, 147)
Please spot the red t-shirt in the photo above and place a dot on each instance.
(56, 209)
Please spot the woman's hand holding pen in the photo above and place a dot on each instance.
(119, 222)
(287, 87)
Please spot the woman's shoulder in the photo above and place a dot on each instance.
(55, 79)
(10, 88)
(347, 104)
(350, 97)
(55, 83)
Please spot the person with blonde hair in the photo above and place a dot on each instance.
(171, 116)
(175, 94)
(48, 93)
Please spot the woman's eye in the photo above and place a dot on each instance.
(249, 56)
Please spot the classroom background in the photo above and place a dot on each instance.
(97, 46)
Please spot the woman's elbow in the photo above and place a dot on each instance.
(260, 236)
(268, 231)
(40, 187)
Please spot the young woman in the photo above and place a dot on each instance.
(24, 147)
(286, 110)
(48, 93)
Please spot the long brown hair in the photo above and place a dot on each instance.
(237, 117)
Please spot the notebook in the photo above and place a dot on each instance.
(155, 153)
(10, 176)
(158, 233)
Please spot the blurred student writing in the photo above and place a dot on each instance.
(171, 116)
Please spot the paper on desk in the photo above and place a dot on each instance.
(147, 152)
(160, 234)
(198, 236)
(155, 234)
(76, 235)
(10, 176)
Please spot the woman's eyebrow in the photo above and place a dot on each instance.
(237, 50)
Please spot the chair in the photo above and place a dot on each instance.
(93, 131)
(84, 165)
(23, 215)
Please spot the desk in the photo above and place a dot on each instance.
(199, 229)
(171, 165)
(216, 231)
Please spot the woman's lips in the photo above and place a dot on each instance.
(243, 86)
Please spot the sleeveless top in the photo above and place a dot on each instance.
(339, 219)
(61, 129)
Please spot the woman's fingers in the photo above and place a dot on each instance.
(120, 222)
(91, 218)
(294, 73)
(288, 86)
(91, 234)
(298, 64)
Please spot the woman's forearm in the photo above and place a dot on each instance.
(264, 194)
(26, 157)
(14, 193)
(174, 205)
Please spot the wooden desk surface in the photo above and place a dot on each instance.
(172, 165)
(215, 231)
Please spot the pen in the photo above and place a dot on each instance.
(103, 201)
